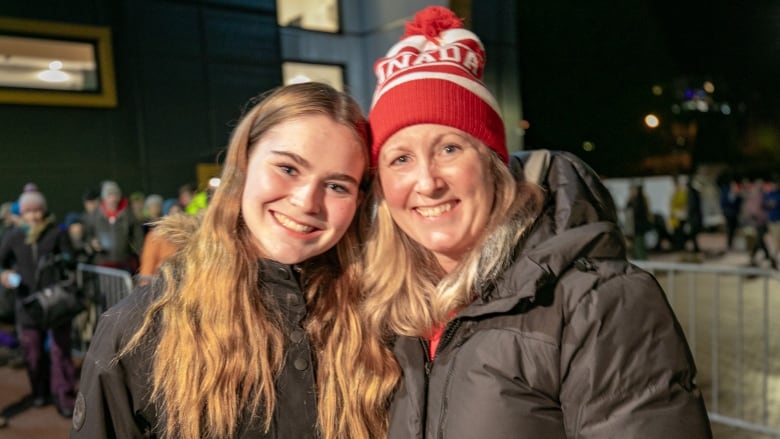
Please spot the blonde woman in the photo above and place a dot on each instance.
(511, 307)
(252, 330)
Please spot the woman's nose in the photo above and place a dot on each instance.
(428, 179)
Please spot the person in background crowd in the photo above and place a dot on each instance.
(730, 205)
(191, 199)
(7, 219)
(771, 204)
(114, 233)
(694, 223)
(153, 211)
(156, 249)
(90, 199)
(252, 329)
(171, 206)
(137, 201)
(754, 220)
(25, 252)
(28, 187)
(82, 251)
(678, 212)
(501, 282)
(637, 207)
(187, 192)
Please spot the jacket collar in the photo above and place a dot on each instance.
(542, 266)
(578, 220)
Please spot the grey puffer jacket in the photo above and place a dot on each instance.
(571, 342)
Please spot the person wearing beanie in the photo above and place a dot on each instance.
(113, 231)
(28, 187)
(90, 200)
(25, 252)
(137, 200)
(503, 279)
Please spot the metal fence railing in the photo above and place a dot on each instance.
(729, 315)
(105, 286)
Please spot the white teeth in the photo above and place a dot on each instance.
(292, 225)
(429, 212)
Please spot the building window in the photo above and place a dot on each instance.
(316, 15)
(296, 72)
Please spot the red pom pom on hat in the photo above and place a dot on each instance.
(431, 21)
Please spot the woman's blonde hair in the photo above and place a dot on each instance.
(219, 342)
(408, 292)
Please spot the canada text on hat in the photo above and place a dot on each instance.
(434, 75)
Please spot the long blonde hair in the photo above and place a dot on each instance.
(409, 293)
(219, 343)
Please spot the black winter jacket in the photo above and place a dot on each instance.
(52, 244)
(113, 401)
(571, 342)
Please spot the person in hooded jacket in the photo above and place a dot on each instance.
(113, 230)
(40, 253)
(249, 329)
(501, 282)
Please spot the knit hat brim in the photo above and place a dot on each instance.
(433, 75)
(436, 101)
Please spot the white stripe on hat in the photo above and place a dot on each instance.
(474, 87)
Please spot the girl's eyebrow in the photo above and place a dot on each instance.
(298, 159)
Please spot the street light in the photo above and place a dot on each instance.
(651, 120)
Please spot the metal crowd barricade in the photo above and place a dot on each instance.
(730, 316)
(105, 286)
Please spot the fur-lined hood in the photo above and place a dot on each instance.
(178, 228)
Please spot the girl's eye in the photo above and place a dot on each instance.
(289, 170)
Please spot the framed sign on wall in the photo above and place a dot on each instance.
(52, 63)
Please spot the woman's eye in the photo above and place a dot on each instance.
(449, 149)
(400, 160)
(338, 188)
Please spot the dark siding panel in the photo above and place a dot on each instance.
(231, 88)
(170, 28)
(184, 72)
(241, 37)
(175, 109)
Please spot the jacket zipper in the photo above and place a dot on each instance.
(446, 338)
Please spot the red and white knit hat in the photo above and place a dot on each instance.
(434, 75)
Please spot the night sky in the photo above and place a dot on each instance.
(588, 68)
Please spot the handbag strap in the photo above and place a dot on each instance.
(44, 263)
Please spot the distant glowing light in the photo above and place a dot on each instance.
(214, 182)
(657, 90)
(53, 76)
(725, 109)
(702, 106)
(708, 86)
(651, 120)
(588, 146)
(675, 109)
